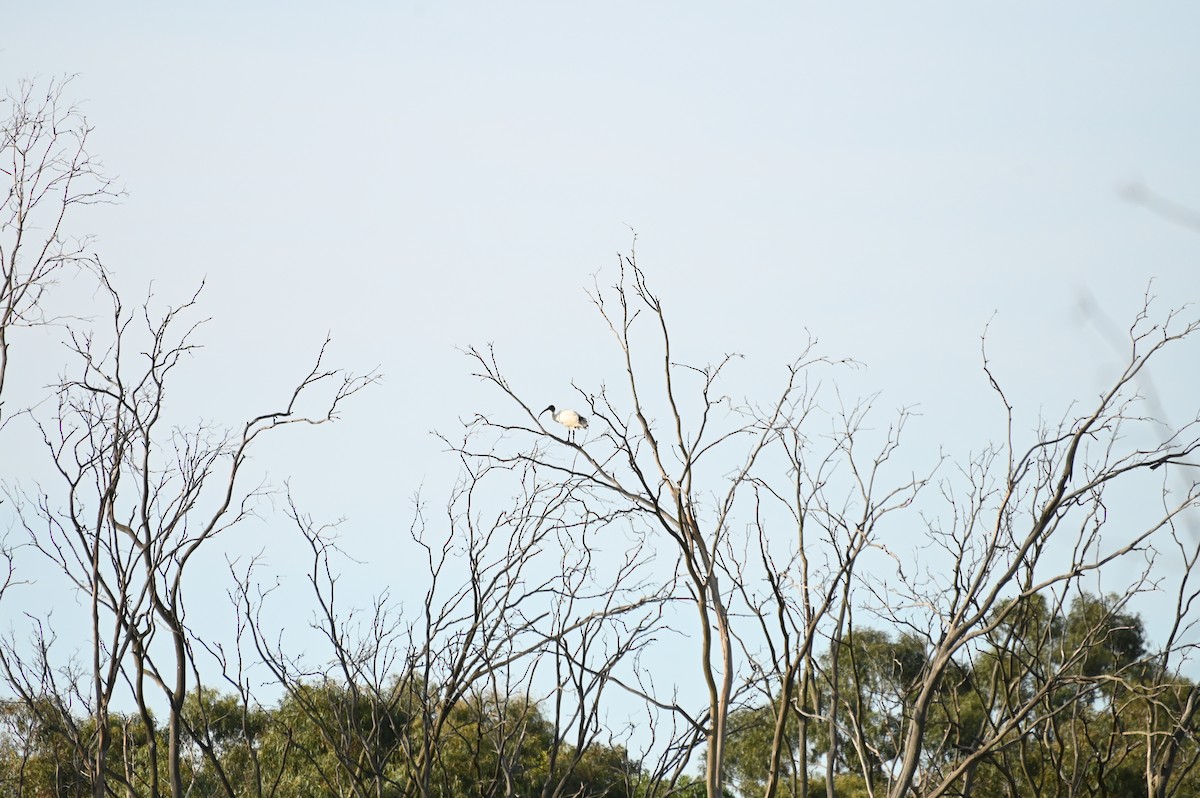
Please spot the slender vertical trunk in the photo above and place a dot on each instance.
(720, 708)
(969, 781)
(806, 685)
(712, 611)
(779, 735)
(99, 782)
(835, 646)
(1159, 772)
(802, 737)
(139, 658)
(174, 721)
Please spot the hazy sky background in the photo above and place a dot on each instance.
(419, 177)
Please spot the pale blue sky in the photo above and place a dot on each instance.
(414, 178)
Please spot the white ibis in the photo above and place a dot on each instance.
(569, 419)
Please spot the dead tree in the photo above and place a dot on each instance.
(1018, 523)
(138, 500)
(513, 616)
(669, 447)
(48, 173)
(1023, 528)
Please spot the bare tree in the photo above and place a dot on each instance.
(1023, 528)
(1171, 700)
(513, 608)
(672, 449)
(48, 172)
(1018, 527)
(562, 560)
(139, 500)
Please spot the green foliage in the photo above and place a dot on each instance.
(748, 750)
(1105, 714)
(1110, 715)
(1115, 640)
(322, 740)
(36, 754)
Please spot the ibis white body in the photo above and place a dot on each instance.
(568, 418)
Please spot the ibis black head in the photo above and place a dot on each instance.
(550, 408)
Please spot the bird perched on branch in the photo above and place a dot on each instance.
(569, 419)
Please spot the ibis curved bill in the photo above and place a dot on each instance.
(568, 418)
